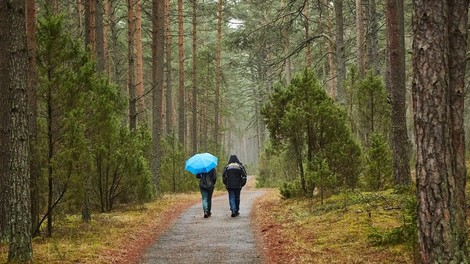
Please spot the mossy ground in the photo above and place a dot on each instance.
(116, 237)
(338, 231)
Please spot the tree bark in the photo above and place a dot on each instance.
(308, 52)
(140, 103)
(194, 128)
(4, 120)
(168, 96)
(397, 87)
(286, 45)
(131, 65)
(86, 210)
(372, 39)
(331, 52)
(32, 100)
(158, 53)
(458, 35)
(99, 36)
(438, 72)
(181, 93)
(218, 74)
(361, 57)
(340, 60)
(20, 246)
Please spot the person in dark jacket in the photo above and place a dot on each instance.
(206, 185)
(234, 178)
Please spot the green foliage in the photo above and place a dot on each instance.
(290, 190)
(319, 176)
(373, 107)
(379, 166)
(274, 168)
(406, 233)
(174, 178)
(81, 134)
(303, 117)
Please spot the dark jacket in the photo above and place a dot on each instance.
(234, 175)
(207, 180)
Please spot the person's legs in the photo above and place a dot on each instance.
(231, 200)
(209, 201)
(237, 200)
(205, 204)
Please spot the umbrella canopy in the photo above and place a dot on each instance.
(200, 163)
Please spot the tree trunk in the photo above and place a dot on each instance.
(131, 67)
(181, 93)
(106, 30)
(218, 74)
(139, 60)
(439, 70)
(92, 29)
(20, 247)
(168, 96)
(194, 89)
(32, 100)
(80, 10)
(4, 121)
(158, 53)
(458, 34)
(86, 210)
(331, 52)
(286, 44)
(361, 57)
(397, 83)
(87, 24)
(308, 52)
(99, 36)
(340, 60)
(372, 39)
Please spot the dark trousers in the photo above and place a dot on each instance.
(234, 199)
(206, 199)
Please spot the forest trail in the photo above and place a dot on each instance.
(217, 239)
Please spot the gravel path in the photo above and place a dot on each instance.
(217, 239)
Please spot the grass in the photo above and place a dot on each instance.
(106, 237)
(335, 232)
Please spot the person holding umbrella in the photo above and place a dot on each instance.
(207, 182)
(203, 166)
(234, 178)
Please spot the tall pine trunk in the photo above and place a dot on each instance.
(218, 74)
(340, 57)
(4, 121)
(361, 56)
(99, 36)
(372, 39)
(168, 95)
(140, 103)
(181, 88)
(158, 53)
(32, 100)
(131, 65)
(397, 87)
(20, 246)
(438, 78)
(194, 130)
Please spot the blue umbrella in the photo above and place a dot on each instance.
(200, 163)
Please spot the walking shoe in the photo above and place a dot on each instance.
(206, 214)
(233, 214)
(237, 213)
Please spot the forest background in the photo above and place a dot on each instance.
(313, 96)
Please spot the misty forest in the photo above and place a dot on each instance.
(103, 101)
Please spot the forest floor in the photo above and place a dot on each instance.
(347, 228)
